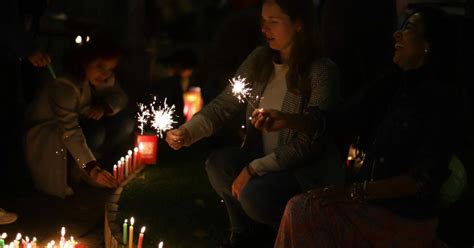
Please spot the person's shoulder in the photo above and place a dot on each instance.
(323, 65)
(257, 52)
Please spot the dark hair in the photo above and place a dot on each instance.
(97, 48)
(306, 46)
(441, 32)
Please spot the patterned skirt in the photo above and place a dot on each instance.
(310, 221)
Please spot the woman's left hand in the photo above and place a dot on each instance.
(240, 182)
(269, 119)
(95, 112)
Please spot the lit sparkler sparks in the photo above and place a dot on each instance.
(241, 89)
(162, 118)
(143, 116)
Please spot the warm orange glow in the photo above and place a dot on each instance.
(192, 102)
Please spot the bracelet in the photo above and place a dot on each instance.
(250, 171)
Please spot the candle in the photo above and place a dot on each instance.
(135, 157)
(160, 245)
(130, 158)
(2, 240)
(140, 238)
(115, 172)
(127, 166)
(26, 242)
(33, 242)
(119, 163)
(122, 162)
(62, 242)
(130, 233)
(16, 243)
(124, 236)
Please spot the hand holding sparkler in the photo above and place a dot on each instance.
(177, 138)
(161, 118)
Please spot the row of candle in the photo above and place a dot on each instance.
(20, 242)
(127, 235)
(25, 243)
(127, 165)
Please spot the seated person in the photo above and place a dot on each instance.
(410, 135)
(256, 180)
(77, 114)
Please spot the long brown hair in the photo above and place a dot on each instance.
(305, 49)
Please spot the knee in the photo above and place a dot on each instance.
(256, 206)
(214, 162)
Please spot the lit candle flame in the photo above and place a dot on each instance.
(63, 231)
(135, 149)
(18, 236)
(160, 245)
(143, 229)
(34, 240)
(4, 236)
(122, 159)
(130, 152)
(132, 220)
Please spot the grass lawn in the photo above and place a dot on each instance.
(175, 201)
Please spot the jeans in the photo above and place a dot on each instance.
(262, 200)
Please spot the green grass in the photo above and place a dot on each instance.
(175, 201)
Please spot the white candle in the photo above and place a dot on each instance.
(62, 242)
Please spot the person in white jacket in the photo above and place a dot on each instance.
(57, 117)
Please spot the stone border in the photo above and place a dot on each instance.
(111, 228)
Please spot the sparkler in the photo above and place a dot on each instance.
(162, 118)
(241, 89)
(143, 116)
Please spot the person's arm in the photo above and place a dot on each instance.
(64, 98)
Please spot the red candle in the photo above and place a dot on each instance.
(115, 172)
(140, 238)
